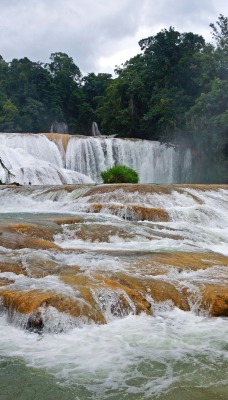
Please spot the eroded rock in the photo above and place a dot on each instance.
(131, 212)
(215, 300)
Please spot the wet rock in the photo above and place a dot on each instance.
(35, 322)
(30, 302)
(34, 231)
(131, 212)
(100, 233)
(24, 302)
(60, 139)
(5, 281)
(191, 261)
(141, 304)
(125, 297)
(66, 220)
(18, 236)
(159, 290)
(16, 268)
(215, 300)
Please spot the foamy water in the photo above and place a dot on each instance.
(136, 356)
(33, 159)
(200, 221)
(173, 355)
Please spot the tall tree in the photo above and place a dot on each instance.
(67, 78)
(30, 88)
(207, 119)
(173, 70)
(220, 30)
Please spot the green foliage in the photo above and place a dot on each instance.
(61, 64)
(220, 32)
(174, 90)
(120, 174)
(94, 87)
(9, 116)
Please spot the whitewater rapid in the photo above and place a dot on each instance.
(136, 357)
(170, 352)
(199, 217)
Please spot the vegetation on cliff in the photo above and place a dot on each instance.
(120, 174)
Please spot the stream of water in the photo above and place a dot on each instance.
(174, 354)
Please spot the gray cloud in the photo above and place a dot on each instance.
(98, 34)
(184, 15)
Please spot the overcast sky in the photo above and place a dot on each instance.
(97, 34)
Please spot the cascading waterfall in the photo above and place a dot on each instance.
(35, 145)
(153, 161)
(33, 158)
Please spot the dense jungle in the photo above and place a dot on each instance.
(174, 90)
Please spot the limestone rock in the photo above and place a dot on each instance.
(215, 300)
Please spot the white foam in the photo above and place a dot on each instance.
(34, 159)
(136, 354)
(48, 283)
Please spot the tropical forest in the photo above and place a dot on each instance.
(175, 90)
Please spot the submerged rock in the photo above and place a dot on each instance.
(131, 212)
(17, 235)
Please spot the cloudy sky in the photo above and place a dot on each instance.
(97, 34)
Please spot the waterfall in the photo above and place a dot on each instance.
(55, 159)
(34, 159)
(153, 161)
(95, 129)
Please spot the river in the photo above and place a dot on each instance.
(114, 292)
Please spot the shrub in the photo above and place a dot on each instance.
(120, 174)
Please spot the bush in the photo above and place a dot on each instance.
(120, 174)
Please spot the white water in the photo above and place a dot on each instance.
(34, 158)
(153, 162)
(201, 226)
(139, 357)
(173, 355)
